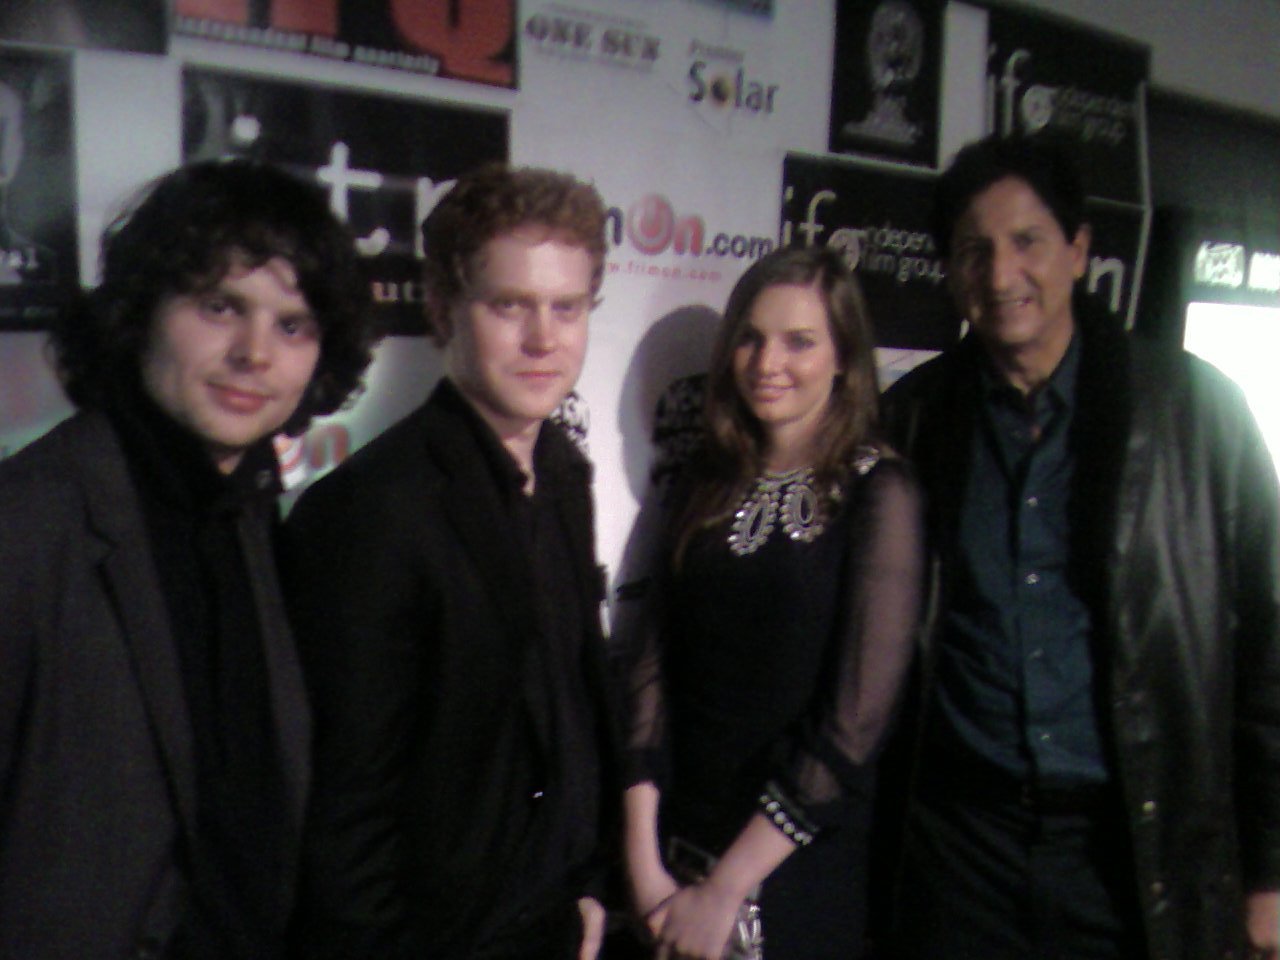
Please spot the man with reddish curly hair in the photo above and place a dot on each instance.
(445, 580)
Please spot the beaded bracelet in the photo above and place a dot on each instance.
(786, 816)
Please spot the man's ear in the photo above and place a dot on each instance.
(439, 321)
(1080, 244)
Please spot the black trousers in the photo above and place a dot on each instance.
(995, 875)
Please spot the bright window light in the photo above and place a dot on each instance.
(1242, 342)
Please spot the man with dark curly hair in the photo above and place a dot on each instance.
(445, 585)
(154, 733)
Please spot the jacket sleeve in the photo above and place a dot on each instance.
(831, 757)
(22, 585)
(357, 612)
(1255, 537)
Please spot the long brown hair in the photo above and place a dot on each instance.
(733, 444)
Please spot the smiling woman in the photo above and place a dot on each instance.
(776, 634)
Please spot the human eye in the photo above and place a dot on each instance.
(1026, 240)
(217, 306)
(798, 340)
(507, 306)
(570, 308)
(299, 327)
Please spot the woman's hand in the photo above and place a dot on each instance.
(651, 890)
(697, 922)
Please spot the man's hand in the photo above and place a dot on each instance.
(1262, 920)
(592, 927)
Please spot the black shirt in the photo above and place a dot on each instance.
(565, 836)
(193, 512)
(1015, 670)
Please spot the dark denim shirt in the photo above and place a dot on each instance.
(1015, 668)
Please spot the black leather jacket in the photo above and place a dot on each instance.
(1176, 546)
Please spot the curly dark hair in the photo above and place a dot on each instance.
(494, 199)
(181, 235)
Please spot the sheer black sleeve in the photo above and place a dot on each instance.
(882, 598)
(638, 615)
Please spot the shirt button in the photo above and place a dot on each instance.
(1032, 502)
(1036, 654)
(1046, 737)
(1149, 808)
(1031, 579)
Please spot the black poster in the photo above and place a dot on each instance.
(459, 39)
(1113, 277)
(1082, 88)
(383, 161)
(879, 219)
(137, 26)
(886, 81)
(39, 268)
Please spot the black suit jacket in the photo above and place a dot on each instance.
(413, 601)
(97, 770)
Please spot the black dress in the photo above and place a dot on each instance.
(769, 673)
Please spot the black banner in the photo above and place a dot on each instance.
(879, 219)
(1050, 78)
(886, 81)
(459, 39)
(39, 267)
(384, 161)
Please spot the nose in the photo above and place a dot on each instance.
(540, 331)
(1002, 267)
(251, 343)
(768, 359)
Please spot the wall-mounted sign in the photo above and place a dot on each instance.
(880, 220)
(384, 161)
(1047, 77)
(885, 86)
(459, 39)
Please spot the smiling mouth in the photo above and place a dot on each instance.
(238, 401)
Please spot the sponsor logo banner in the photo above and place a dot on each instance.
(880, 220)
(1080, 87)
(458, 39)
(651, 239)
(384, 161)
(574, 34)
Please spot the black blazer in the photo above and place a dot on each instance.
(97, 771)
(414, 604)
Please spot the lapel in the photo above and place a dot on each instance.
(1101, 525)
(289, 711)
(941, 443)
(129, 574)
(474, 508)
